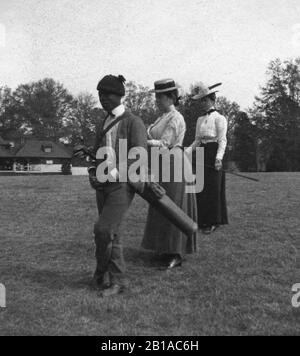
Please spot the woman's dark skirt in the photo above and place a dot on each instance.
(211, 202)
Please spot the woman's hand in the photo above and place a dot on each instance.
(154, 143)
(218, 164)
(189, 150)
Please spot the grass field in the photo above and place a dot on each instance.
(239, 282)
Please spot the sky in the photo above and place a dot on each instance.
(79, 41)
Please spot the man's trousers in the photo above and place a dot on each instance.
(113, 202)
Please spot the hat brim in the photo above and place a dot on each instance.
(163, 90)
(214, 86)
(200, 96)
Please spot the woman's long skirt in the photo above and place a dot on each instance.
(161, 235)
(211, 202)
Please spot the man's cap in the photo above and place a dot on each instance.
(112, 84)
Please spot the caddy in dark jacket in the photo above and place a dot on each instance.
(114, 198)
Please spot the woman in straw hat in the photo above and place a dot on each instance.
(168, 132)
(211, 133)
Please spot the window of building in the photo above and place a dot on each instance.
(47, 148)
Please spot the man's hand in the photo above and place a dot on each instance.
(79, 151)
(138, 186)
(95, 184)
(157, 189)
(113, 175)
(218, 164)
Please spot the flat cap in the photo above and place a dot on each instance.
(112, 84)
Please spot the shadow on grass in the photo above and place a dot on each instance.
(47, 278)
(142, 258)
(80, 277)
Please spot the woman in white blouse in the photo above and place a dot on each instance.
(168, 132)
(211, 133)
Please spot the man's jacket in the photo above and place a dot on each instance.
(132, 129)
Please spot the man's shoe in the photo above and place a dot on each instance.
(97, 285)
(100, 282)
(175, 262)
(208, 230)
(114, 289)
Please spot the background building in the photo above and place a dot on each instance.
(34, 156)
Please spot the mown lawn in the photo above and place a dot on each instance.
(239, 282)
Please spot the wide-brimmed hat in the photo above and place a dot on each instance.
(204, 90)
(164, 85)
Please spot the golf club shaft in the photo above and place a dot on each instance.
(92, 156)
(234, 173)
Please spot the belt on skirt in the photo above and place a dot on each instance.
(203, 144)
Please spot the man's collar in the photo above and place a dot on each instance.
(118, 111)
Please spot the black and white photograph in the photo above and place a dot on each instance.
(149, 170)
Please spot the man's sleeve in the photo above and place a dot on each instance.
(97, 135)
(137, 141)
(138, 134)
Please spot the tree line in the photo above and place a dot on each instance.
(265, 137)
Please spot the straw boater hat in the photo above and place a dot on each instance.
(164, 85)
(204, 90)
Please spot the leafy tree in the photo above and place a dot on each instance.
(244, 143)
(141, 102)
(11, 124)
(279, 119)
(81, 123)
(43, 107)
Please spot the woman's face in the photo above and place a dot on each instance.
(163, 102)
(205, 104)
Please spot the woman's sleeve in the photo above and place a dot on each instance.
(149, 136)
(167, 138)
(169, 134)
(221, 126)
(197, 141)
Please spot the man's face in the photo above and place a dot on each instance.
(109, 101)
